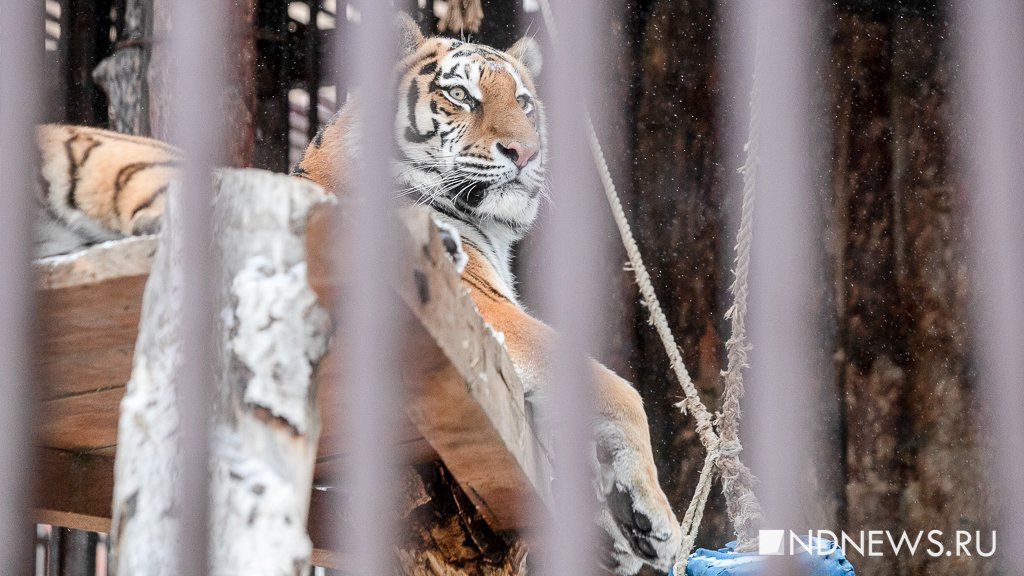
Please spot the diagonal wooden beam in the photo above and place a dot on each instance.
(465, 399)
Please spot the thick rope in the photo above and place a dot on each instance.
(705, 425)
(737, 481)
(722, 453)
(656, 317)
(695, 511)
(692, 402)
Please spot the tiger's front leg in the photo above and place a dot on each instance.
(634, 513)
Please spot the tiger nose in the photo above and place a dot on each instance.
(517, 152)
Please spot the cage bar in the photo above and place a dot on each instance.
(196, 84)
(21, 59)
(368, 315)
(786, 348)
(572, 253)
(992, 54)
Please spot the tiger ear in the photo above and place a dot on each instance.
(527, 51)
(409, 35)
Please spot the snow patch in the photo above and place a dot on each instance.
(84, 250)
(499, 336)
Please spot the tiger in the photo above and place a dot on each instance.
(471, 147)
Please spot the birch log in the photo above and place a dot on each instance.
(272, 334)
(122, 75)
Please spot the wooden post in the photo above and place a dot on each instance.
(272, 334)
(237, 101)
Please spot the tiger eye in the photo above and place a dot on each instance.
(457, 93)
(521, 101)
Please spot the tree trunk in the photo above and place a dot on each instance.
(158, 72)
(271, 336)
(911, 450)
(676, 209)
(945, 485)
(240, 99)
(274, 332)
(871, 359)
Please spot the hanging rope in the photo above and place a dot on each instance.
(737, 481)
(692, 402)
(722, 449)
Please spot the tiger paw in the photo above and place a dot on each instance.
(147, 220)
(452, 244)
(636, 515)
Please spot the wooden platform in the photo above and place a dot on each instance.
(465, 403)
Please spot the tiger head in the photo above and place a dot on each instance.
(471, 134)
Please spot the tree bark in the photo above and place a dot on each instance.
(871, 363)
(158, 72)
(911, 454)
(271, 336)
(676, 210)
(240, 100)
(444, 535)
(944, 484)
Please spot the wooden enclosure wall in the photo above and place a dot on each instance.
(900, 400)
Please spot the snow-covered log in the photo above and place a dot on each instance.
(271, 335)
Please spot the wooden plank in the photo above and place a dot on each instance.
(464, 394)
(80, 423)
(74, 490)
(89, 306)
(331, 441)
(466, 399)
(415, 451)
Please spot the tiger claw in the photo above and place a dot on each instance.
(452, 242)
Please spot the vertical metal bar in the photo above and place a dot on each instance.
(992, 86)
(786, 341)
(53, 556)
(572, 253)
(21, 60)
(77, 553)
(196, 83)
(368, 315)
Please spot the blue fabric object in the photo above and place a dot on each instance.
(727, 562)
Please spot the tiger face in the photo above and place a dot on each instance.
(471, 135)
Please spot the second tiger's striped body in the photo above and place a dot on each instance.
(96, 185)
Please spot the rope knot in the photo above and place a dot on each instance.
(730, 448)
